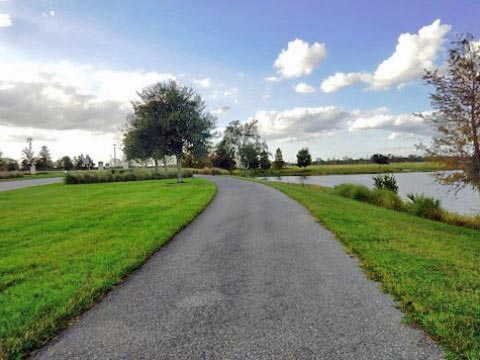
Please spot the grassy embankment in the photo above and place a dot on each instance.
(12, 176)
(349, 169)
(62, 247)
(429, 267)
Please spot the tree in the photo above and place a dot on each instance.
(265, 162)
(249, 156)
(304, 158)
(278, 163)
(44, 161)
(224, 156)
(65, 163)
(380, 159)
(83, 162)
(27, 153)
(169, 120)
(244, 139)
(456, 114)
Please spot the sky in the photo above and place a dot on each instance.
(342, 78)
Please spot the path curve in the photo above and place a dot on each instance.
(18, 184)
(253, 277)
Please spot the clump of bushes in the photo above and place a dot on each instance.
(418, 205)
(102, 177)
(210, 171)
(425, 206)
(386, 182)
(10, 175)
(384, 198)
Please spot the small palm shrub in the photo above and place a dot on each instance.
(386, 182)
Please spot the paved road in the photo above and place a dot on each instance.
(18, 184)
(253, 277)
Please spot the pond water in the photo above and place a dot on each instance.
(465, 201)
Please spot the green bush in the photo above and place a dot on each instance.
(210, 171)
(10, 175)
(424, 206)
(131, 175)
(386, 182)
(384, 198)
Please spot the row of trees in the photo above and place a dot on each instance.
(44, 162)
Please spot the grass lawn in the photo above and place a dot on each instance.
(62, 247)
(431, 268)
(354, 169)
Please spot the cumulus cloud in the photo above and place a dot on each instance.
(66, 95)
(304, 88)
(5, 20)
(413, 54)
(309, 123)
(341, 80)
(298, 59)
(204, 83)
(383, 119)
(300, 123)
(221, 110)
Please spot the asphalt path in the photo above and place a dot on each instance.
(253, 277)
(18, 184)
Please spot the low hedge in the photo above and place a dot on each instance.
(120, 175)
(10, 175)
(210, 171)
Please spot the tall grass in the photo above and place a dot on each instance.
(418, 205)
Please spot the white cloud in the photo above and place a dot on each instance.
(66, 95)
(221, 110)
(298, 59)
(50, 13)
(341, 80)
(300, 123)
(204, 83)
(5, 20)
(304, 88)
(383, 119)
(413, 54)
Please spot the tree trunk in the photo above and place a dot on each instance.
(179, 169)
(165, 163)
(156, 164)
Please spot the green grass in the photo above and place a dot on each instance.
(431, 268)
(351, 169)
(62, 247)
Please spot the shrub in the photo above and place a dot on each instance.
(386, 182)
(10, 175)
(388, 199)
(131, 175)
(425, 206)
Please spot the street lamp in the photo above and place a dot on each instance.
(114, 156)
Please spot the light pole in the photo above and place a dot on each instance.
(114, 156)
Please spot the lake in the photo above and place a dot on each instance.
(466, 201)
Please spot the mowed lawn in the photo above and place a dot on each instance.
(432, 269)
(63, 246)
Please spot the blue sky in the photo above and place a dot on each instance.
(69, 68)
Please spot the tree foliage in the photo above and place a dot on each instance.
(65, 163)
(44, 160)
(278, 163)
(304, 158)
(456, 114)
(168, 120)
(380, 159)
(265, 162)
(224, 156)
